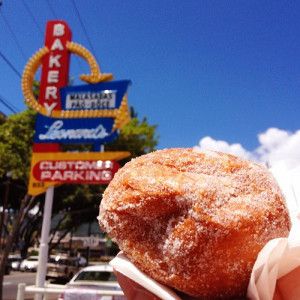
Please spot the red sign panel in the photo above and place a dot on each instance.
(75, 171)
(55, 70)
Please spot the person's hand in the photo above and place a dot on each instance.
(132, 290)
(288, 286)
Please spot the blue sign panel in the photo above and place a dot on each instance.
(74, 130)
(104, 95)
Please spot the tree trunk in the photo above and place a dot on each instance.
(13, 233)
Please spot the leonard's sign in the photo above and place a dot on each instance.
(108, 102)
(92, 113)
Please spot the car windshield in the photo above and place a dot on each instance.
(12, 259)
(96, 276)
(32, 259)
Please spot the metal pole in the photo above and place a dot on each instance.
(88, 249)
(43, 253)
(21, 291)
(8, 175)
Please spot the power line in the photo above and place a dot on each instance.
(78, 60)
(52, 9)
(13, 35)
(10, 65)
(8, 105)
(56, 17)
(33, 18)
(83, 27)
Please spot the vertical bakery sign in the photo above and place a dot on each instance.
(91, 113)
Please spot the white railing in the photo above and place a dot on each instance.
(47, 290)
(55, 290)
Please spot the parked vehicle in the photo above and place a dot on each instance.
(15, 262)
(29, 264)
(92, 279)
(7, 268)
(62, 266)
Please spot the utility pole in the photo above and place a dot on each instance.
(5, 200)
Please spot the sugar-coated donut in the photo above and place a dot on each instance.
(194, 219)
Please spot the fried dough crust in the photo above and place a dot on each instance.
(194, 220)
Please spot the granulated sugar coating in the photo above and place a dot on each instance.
(194, 220)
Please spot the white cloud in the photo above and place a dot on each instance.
(222, 146)
(276, 146)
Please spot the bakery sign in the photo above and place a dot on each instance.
(91, 113)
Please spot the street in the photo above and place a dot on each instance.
(10, 285)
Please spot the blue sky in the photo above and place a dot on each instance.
(227, 70)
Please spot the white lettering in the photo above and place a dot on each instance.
(56, 132)
(57, 45)
(86, 165)
(58, 30)
(45, 175)
(95, 176)
(68, 175)
(53, 76)
(57, 176)
(91, 100)
(76, 165)
(76, 176)
(53, 61)
(106, 175)
(51, 91)
(44, 165)
(49, 108)
(108, 164)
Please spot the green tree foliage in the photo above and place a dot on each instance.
(16, 140)
(137, 137)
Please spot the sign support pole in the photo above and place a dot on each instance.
(43, 253)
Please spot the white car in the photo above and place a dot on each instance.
(62, 266)
(15, 261)
(93, 280)
(29, 264)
